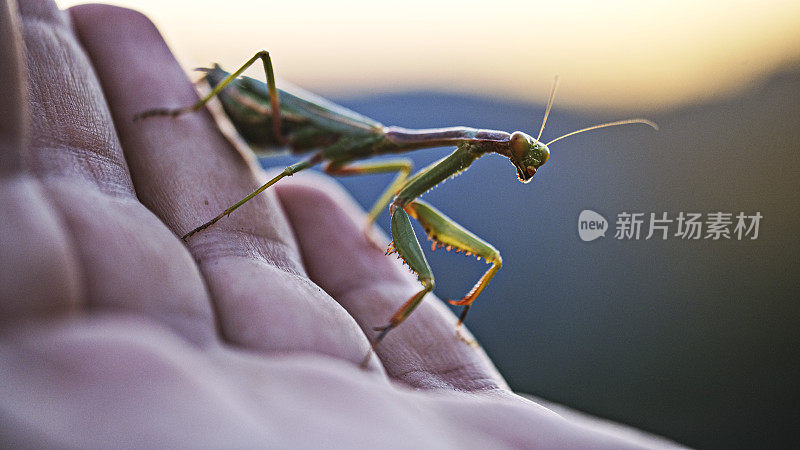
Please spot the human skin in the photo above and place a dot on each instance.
(113, 332)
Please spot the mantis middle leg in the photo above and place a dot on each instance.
(401, 166)
(287, 172)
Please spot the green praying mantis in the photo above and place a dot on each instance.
(266, 117)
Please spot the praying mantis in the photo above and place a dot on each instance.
(266, 116)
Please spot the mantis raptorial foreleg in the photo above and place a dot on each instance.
(275, 105)
(427, 178)
(447, 233)
(401, 166)
(444, 232)
(407, 246)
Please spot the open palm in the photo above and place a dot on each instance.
(114, 331)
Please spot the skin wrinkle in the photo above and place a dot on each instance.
(64, 162)
(58, 101)
(246, 244)
(434, 370)
(459, 377)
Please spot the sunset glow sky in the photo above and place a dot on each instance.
(625, 55)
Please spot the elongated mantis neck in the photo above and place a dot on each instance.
(413, 139)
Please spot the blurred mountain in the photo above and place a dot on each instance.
(696, 340)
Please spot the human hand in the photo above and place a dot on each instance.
(115, 332)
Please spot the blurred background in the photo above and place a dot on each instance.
(696, 340)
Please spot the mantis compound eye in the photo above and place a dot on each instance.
(545, 154)
(520, 144)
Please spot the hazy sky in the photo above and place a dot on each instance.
(632, 55)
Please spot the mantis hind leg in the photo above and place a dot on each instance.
(401, 166)
(447, 233)
(263, 55)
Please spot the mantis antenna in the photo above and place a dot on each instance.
(549, 105)
(604, 125)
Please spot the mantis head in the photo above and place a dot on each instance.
(527, 155)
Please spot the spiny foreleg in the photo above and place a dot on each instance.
(447, 233)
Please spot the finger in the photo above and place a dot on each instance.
(183, 168)
(424, 351)
(186, 172)
(35, 260)
(108, 242)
